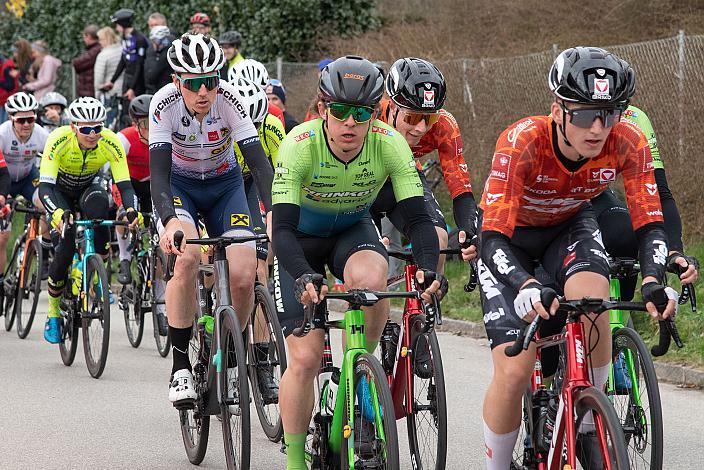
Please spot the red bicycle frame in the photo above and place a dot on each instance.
(576, 378)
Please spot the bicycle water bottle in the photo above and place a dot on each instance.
(76, 274)
(330, 378)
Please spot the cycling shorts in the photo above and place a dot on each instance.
(27, 187)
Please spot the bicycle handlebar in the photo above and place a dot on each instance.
(29, 210)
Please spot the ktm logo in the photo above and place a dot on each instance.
(354, 76)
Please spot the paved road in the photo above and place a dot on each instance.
(57, 417)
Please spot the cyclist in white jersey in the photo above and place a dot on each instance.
(21, 141)
(195, 121)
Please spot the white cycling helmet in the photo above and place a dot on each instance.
(53, 97)
(20, 102)
(252, 70)
(195, 53)
(86, 109)
(253, 98)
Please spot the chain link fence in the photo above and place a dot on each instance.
(487, 95)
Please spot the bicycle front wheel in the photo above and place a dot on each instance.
(635, 395)
(159, 320)
(96, 316)
(69, 340)
(427, 425)
(236, 431)
(375, 440)
(591, 405)
(267, 362)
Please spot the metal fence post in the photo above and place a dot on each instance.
(555, 50)
(279, 68)
(680, 81)
(467, 95)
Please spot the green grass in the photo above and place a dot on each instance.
(466, 306)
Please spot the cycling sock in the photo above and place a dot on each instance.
(179, 344)
(599, 376)
(499, 448)
(53, 311)
(371, 346)
(122, 243)
(295, 451)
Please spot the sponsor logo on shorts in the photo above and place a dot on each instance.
(177, 201)
(487, 281)
(493, 316)
(239, 220)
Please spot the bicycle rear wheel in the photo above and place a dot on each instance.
(375, 440)
(591, 400)
(9, 286)
(636, 399)
(158, 286)
(69, 342)
(31, 289)
(236, 428)
(267, 356)
(427, 425)
(96, 317)
(131, 306)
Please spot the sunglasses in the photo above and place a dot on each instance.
(585, 117)
(194, 83)
(412, 118)
(341, 111)
(87, 130)
(25, 120)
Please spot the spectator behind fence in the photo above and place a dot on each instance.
(22, 57)
(84, 64)
(157, 71)
(47, 67)
(107, 61)
(134, 50)
(9, 83)
(230, 41)
(158, 19)
(276, 94)
(313, 107)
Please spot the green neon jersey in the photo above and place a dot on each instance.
(640, 119)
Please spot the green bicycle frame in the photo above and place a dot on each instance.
(356, 345)
(619, 319)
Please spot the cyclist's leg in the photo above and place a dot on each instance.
(259, 228)
(45, 238)
(226, 213)
(360, 260)
(94, 204)
(296, 394)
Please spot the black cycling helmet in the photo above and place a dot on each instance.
(124, 17)
(139, 107)
(233, 38)
(352, 80)
(416, 84)
(591, 75)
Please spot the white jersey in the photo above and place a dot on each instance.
(200, 149)
(21, 157)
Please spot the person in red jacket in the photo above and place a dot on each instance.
(84, 63)
(9, 83)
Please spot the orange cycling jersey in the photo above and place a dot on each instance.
(528, 186)
(444, 137)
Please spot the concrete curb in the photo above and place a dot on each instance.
(682, 376)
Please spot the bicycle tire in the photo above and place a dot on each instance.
(69, 342)
(268, 413)
(163, 343)
(386, 456)
(196, 444)
(629, 413)
(436, 404)
(591, 398)
(237, 447)
(32, 288)
(95, 361)
(524, 456)
(131, 306)
(9, 286)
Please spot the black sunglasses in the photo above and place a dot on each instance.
(585, 117)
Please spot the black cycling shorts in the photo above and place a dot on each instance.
(332, 251)
(563, 250)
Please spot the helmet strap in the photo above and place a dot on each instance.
(562, 129)
(395, 117)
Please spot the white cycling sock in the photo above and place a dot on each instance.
(599, 377)
(123, 243)
(498, 448)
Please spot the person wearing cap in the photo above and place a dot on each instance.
(48, 66)
(157, 71)
(312, 112)
(200, 23)
(134, 50)
(276, 94)
(230, 41)
(84, 64)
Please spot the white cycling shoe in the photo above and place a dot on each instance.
(181, 391)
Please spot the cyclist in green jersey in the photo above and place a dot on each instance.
(328, 173)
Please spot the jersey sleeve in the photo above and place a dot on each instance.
(160, 127)
(640, 119)
(118, 161)
(274, 133)
(504, 188)
(399, 163)
(125, 142)
(639, 179)
(454, 167)
(292, 166)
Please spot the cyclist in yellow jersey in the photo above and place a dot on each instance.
(69, 181)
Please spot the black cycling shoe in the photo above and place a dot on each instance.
(124, 276)
(422, 362)
(589, 451)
